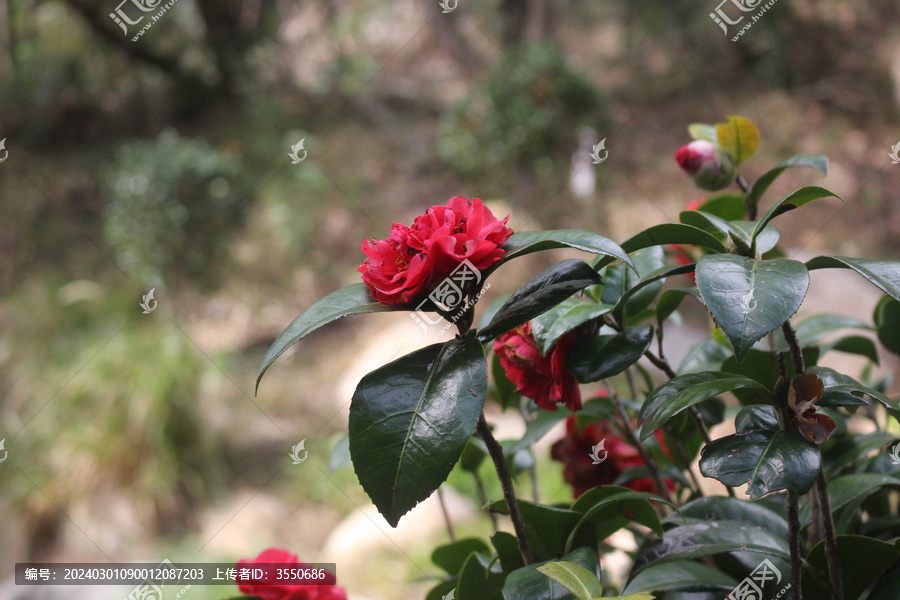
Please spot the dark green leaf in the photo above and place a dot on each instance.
(549, 327)
(547, 526)
(642, 293)
(684, 391)
(769, 460)
(795, 199)
(507, 547)
(575, 578)
(887, 323)
(507, 394)
(813, 329)
(673, 233)
(596, 358)
(883, 273)
(767, 239)
(528, 583)
(716, 508)
(619, 280)
(411, 419)
(670, 301)
(707, 355)
(863, 560)
(848, 490)
(452, 557)
(838, 382)
(749, 298)
(539, 295)
(609, 508)
(764, 368)
(480, 579)
(751, 418)
(855, 344)
(712, 224)
(351, 300)
(526, 242)
(684, 575)
(759, 187)
(473, 455)
(725, 206)
(887, 585)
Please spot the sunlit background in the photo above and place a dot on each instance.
(163, 163)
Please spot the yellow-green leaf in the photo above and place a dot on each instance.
(739, 136)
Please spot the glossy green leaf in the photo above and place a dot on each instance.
(739, 136)
(726, 206)
(759, 187)
(887, 323)
(671, 299)
(609, 508)
(707, 355)
(642, 293)
(539, 295)
(795, 199)
(751, 418)
(351, 300)
(619, 280)
(673, 233)
(473, 455)
(711, 223)
(583, 584)
(508, 552)
(410, 421)
(863, 560)
(596, 358)
(528, 583)
(884, 274)
(702, 131)
(769, 460)
(706, 539)
(749, 298)
(850, 450)
(549, 327)
(848, 490)
(526, 242)
(480, 579)
(452, 557)
(717, 508)
(763, 367)
(814, 329)
(680, 575)
(547, 527)
(504, 390)
(835, 381)
(684, 391)
(855, 344)
(767, 239)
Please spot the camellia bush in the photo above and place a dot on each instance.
(819, 517)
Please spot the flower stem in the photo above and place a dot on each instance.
(793, 516)
(832, 555)
(509, 492)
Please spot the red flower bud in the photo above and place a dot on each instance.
(709, 165)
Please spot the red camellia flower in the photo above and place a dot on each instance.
(405, 265)
(575, 449)
(286, 592)
(544, 379)
(709, 165)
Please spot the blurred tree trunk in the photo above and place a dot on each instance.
(528, 20)
(225, 34)
(448, 35)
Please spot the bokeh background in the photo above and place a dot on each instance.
(163, 163)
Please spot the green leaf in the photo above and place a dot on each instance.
(528, 583)
(884, 274)
(480, 579)
(886, 587)
(710, 223)
(759, 187)
(863, 560)
(673, 233)
(707, 355)
(763, 367)
(541, 425)
(618, 279)
(473, 455)
(753, 418)
(848, 490)
(887, 323)
(539, 295)
(855, 344)
(506, 392)
(680, 575)
(726, 206)
(547, 527)
(702, 131)
(713, 537)
(838, 382)
(641, 294)
(575, 578)
(749, 298)
(507, 547)
(609, 508)
(670, 301)
(549, 327)
(739, 136)
(716, 508)
(813, 329)
(526, 242)
(410, 421)
(351, 300)
(767, 239)
(596, 358)
(452, 557)
(684, 391)
(768, 460)
(795, 199)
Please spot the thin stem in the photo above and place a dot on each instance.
(832, 555)
(793, 515)
(450, 532)
(482, 493)
(794, 344)
(661, 489)
(509, 492)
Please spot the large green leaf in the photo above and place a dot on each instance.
(596, 358)
(728, 206)
(863, 560)
(351, 300)
(526, 242)
(610, 507)
(508, 552)
(575, 578)
(549, 327)
(618, 280)
(764, 367)
(839, 384)
(769, 460)
(716, 508)
(713, 537)
(480, 579)
(547, 527)
(884, 274)
(887, 323)
(681, 575)
(528, 583)
(640, 295)
(759, 187)
(887, 585)
(749, 298)
(673, 233)
(684, 391)
(540, 294)
(410, 421)
(795, 199)
(711, 223)
(452, 557)
(848, 490)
